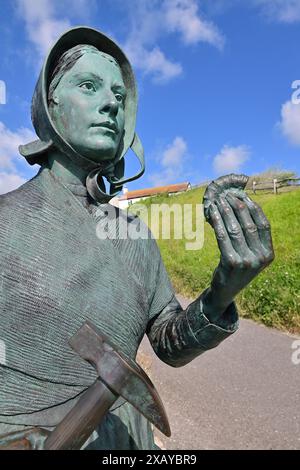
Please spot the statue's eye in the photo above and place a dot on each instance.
(89, 86)
(120, 98)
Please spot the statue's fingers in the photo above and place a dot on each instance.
(232, 181)
(227, 251)
(262, 223)
(233, 227)
(210, 195)
(247, 224)
(216, 188)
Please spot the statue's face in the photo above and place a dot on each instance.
(88, 109)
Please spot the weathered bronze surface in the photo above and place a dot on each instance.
(73, 119)
(24, 440)
(57, 273)
(117, 375)
(244, 238)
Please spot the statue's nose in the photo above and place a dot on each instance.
(109, 105)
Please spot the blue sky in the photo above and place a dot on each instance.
(214, 76)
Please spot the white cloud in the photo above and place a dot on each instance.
(162, 68)
(41, 25)
(43, 34)
(282, 11)
(9, 142)
(172, 162)
(84, 10)
(2, 92)
(286, 11)
(230, 159)
(10, 181)
(182, 16)
(290, 122)
(9, 155)
(174, 153)
(153, 62)
(44, 25)
(150, 20)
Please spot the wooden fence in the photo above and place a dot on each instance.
(268, 185)
(274, 184)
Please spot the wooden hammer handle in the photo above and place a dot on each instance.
(82, 420)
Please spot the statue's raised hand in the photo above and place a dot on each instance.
(244, 238)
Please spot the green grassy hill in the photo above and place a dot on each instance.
(273, 298)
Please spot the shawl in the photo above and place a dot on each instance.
(56, 273)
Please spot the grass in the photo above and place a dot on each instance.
(273, 297)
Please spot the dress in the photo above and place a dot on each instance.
(56, 273)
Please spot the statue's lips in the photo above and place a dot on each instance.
(110, 126)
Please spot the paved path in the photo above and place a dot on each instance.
(245, 394)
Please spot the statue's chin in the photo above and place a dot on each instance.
(97, 155)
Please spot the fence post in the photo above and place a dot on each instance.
(253, 186)
(275, 185)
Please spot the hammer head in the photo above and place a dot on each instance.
(121, 374)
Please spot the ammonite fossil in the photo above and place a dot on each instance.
(232, 183)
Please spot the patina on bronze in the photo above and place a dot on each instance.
(49, 135)
(117, 375)
(56, 273)
(244, 238)
(24, 440)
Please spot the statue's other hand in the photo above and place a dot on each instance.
(244, 238)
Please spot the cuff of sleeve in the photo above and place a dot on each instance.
(207, 334)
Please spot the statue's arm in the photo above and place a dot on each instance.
(243, 234)
(178, 336)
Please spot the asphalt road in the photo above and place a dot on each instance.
(245, 394)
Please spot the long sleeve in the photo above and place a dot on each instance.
(178, 336)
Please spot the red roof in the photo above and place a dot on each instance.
(171, 188)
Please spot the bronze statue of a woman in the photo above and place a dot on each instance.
(56, 273)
